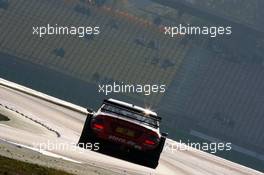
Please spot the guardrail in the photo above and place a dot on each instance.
(42, 96)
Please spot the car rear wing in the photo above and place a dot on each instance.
(131, 109)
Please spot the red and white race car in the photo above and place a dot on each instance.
(125, 127)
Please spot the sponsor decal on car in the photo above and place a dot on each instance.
(124, 141)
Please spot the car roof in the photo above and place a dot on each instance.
(131, 106)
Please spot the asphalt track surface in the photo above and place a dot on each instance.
(35, 121)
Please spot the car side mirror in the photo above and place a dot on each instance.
(90, 110)
(164, 134)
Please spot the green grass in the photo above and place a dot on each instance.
(15, 167)
(3, 118)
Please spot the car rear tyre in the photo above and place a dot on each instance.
(151, 158)
(87, 136)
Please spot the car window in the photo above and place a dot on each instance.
(129, 114)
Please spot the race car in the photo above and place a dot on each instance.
(126, 128)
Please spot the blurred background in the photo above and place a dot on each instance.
(215, 87)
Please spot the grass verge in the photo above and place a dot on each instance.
(3, 118)
(13, 167)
